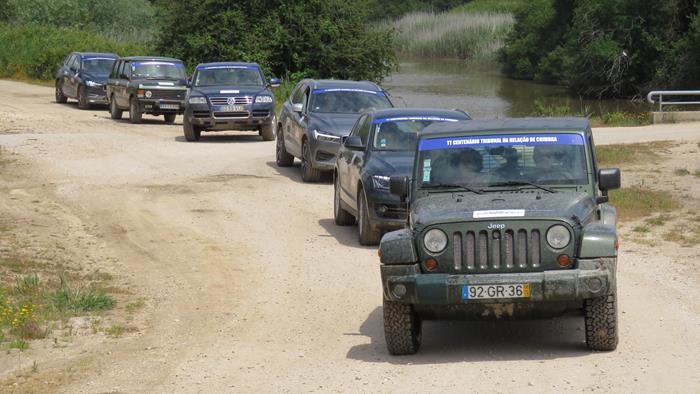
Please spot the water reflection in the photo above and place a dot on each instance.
(484, 92)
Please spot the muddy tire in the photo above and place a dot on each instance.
(601, 323)
(192, 133)
(114, 111)
(83, 102)
(135, 114)
(282, 158)
(60, 97)
(267, 132)
(308, 172)
(402, 328)
(169, 118)
(367, 235)
(341, 216)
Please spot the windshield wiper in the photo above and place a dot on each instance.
(522, 183)
(452, 186)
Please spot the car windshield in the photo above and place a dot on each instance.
(400, 133)
(157, 70)
(480, 161)
(229, 76)
(347, 100)
(98, 65)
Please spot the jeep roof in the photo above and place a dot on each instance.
(214, 64)
(137, 58)
(520, 124)
(114, 55)
(334, 83)
(416, 111)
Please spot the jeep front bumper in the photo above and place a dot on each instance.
(254, 117)
(406, 284)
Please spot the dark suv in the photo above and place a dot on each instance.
(82, 76)
(147, 85)
(318, 114)
(230, 96)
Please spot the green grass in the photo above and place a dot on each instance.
(490, 6)
(624, 154)
(638, 202)
(609, 119)
(686, 235)
(116, 331)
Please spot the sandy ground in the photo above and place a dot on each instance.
(249, 285)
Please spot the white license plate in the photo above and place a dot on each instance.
(170, 106)
(230, 108)
(485, 292)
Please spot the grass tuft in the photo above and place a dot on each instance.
(619, 154)
(67, 299)
(638, 202)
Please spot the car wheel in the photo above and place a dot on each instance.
(341, 216)
(134, 114)
(308, 173)
(82, 98)
(268, 132)
(368, 235)
(114, 111)
(60, 97)
(169, 118)
(283, 158)
(192, 133)
(402, 328)
(601, 322)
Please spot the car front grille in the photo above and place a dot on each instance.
(390, 211)
(230, 114)
(497, 250)
(261, 113)
(236, 100)
(200, 114)
(167, 94)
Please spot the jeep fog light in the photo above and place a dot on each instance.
(399, 290)
(435, 240)
(558, 236)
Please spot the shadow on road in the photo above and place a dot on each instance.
(294, 173)
(454, 341)
(93, 107)
(345, 235)
(214, 138)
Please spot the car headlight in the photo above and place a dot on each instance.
(197, 100)
(263, 99)
(380, 182)
(92, 84)
(326, 137)
(435, 240)
(558, 236)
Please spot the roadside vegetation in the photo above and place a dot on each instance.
(610, 119)
(503, 6)
(627, 154)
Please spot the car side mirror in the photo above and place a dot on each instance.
(608, 179)
(274, 82)
(398, 186)
(354, 142)
(298, 107)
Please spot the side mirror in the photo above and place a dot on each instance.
(298, 107)
(274, 82)
(608, 179)
(354, 142)
(398, 186)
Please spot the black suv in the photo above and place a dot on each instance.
(82, 76)
(318, 114)
(147, 85)
(230, 96)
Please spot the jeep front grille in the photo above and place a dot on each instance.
(167, 94)
(236, 100)
(496, 250)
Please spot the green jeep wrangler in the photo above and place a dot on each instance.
(508, 219)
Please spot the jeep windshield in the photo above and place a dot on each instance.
(228, 76)
(157, 70)
(507, 160)
(400, 133)
(347, 100)
(98, 65)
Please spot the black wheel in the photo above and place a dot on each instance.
(402, 328)
(601, 323)
(283, 158)
(82, 98)
(114, 111)
(169, 118)
(308, 173)
(135, 114)
(341, 216)
(192, 132)
(368, 235)
(268, 132)
(60, 97)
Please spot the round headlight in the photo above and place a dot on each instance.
(435, 241)
(148, 94)
(558, 236)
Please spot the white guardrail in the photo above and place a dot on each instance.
(662, 93)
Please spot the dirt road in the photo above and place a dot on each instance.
(250, 287)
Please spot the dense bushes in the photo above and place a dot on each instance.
(605, 48)
(323, 38)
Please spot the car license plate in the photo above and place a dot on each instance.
(481, 292)
(230, 108)
(170, 106)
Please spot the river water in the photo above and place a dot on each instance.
(483, 91)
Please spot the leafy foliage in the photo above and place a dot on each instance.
(392, 9)
(324, 38)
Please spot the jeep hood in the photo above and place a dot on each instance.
(460, 206)
(336, 124)
(390, 163)
(162, 83)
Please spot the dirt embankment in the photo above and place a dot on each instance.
(247, 284)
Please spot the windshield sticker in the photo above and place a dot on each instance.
(227, 67)
(499, 213)
(426, 170)
(229, 91)
(348, 90)
(418, 118)
(496, 140)
(134, 65)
